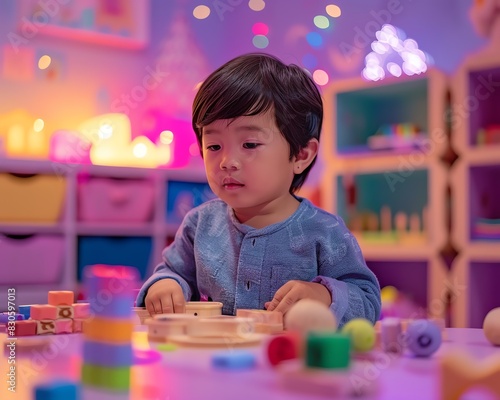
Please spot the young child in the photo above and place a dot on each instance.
(257, 246)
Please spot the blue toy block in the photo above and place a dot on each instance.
(25, 310)
(107, 354)
(234, 360)
(57, 390)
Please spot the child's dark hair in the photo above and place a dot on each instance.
(255, 83)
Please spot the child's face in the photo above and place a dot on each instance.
(247, 163)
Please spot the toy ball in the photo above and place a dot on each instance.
(423, 337)
(389, 294)
(491, 326)
(310, 316)
(362, 334)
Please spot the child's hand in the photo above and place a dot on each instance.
(293, 291)
(165, 296)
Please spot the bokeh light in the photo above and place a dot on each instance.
(394, 53)
(44, 62)
(38, 125)
(256, 5)
(166, 137)
(333, 10)
(320, 77)
(321, 21)
(314, 39)
(201, 12)
(260, 28)
(260, 41)
(309, 61)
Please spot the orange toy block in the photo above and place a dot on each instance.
(43, 312)
(460, 372)
(108, 330)
(265, 321)
(61, 297)
(64, 312)
(24, 328)
(45, 326)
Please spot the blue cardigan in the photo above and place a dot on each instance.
(215, 257)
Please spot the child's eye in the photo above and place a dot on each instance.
(251, 145)
(213, 147)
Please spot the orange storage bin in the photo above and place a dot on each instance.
(31, 198)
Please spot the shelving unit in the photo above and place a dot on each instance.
(109, 233)
(475, 185)
(393, 199)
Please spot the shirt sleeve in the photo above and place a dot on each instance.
(353, 286)
(178, 263)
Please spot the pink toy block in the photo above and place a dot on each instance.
(64, 312)
(43, 311)
(45, 326)
(81, 310)
(78, 325)
(24, 328)
(63, 326)
(61, 297)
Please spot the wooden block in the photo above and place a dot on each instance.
(461, 372)
(63, 326)
(43, 312)
(267, 322)
(45, 326)
(5, 317)
(142, 313)
(220, 327)
(204, 308)
(25, 328)
(65, 312)
(108, 330)
(81, 310)
(162, 326)
(61, 297)
(391, 335)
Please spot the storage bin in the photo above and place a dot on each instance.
(134, 251)
(115, 200)
(31, 198)
(31, 259)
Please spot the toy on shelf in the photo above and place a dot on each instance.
(487, 228)
(23, 135)
(396, 136)
(369, 227)
(489, 135)
(491, 326)
(396, 304)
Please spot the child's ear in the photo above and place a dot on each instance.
(305, 157)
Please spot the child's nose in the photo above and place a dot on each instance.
(229, 161)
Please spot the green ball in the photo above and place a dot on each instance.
(362, 334)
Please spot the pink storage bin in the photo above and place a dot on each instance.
(36, 259)
(115, 200)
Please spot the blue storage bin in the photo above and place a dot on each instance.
(133, 251)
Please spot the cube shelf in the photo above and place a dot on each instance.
(109, 215)
(476, 289)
